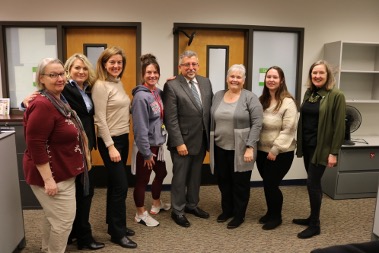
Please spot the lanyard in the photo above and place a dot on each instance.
(157, 98)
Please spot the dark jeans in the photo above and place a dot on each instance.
(272, 173)
(81, 228)
(234, 186)
(117, 187)
(143, 176)
(315, 173)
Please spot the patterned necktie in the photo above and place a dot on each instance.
(195, 93)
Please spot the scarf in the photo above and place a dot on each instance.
(65, 109)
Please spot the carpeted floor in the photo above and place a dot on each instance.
(342, 222)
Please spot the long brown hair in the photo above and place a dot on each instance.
(281, 93)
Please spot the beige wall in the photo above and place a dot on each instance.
(323, 20)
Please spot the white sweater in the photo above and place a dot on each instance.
(279, 128)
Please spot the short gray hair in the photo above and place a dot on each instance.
(41, 70)
(188, 54)
(238, 67)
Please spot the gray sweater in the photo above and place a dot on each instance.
(247, 123)
(147, 119)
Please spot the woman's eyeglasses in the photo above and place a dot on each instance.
(55, 75)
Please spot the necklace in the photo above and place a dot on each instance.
(314, 98)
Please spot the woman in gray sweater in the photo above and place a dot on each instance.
(236, 120)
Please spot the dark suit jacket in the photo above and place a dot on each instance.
(184, 120)
(76, 101)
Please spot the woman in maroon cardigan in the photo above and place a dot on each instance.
(57, 151)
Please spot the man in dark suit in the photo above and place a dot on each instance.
(187, 101)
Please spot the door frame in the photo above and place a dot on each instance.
(61, 44)
(248, 49)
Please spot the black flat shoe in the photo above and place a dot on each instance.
(234, 223)
(265, 218)
(198, 212)
(309, 232)
(124, 242)
(129, 232)
(91, 246)
(271, 224)
(303, 222)
(224, 217)
(181, 220)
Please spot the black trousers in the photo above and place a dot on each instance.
(234, 186)
(81, 228)
(117, 187)
(272, 173)
(315, 173)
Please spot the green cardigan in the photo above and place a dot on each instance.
(331, 125)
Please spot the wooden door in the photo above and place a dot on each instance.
(233, 39)
(126, 38)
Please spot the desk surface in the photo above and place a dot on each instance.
(363, 141)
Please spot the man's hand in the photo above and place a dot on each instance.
(182, 150)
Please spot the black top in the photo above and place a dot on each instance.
(310, 114)
(76, 101)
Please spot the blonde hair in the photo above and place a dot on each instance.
(70, 61)
(102, 73)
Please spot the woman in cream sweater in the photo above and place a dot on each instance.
(276, 143)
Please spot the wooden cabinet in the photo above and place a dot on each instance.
(357, 72)
(357, 172)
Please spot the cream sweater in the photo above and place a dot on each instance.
(112, 109)
(279, 128)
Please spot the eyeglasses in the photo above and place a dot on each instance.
(187, 65)
(55, 75)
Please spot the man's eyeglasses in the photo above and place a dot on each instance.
(187, 65)
(55, 75)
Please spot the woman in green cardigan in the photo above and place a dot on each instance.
(320, 135)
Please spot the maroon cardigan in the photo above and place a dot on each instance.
(50, 137)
